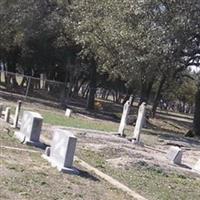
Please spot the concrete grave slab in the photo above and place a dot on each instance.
(196, 167)
(175, 155)
(62, 151)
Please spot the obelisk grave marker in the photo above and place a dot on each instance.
(139, 123)
(123, 122)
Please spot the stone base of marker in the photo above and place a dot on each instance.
(175, 155)
(135, 141)
(25, 140)
(61, 152)
(120, 135)
(71, 170)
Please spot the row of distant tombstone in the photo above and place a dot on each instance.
(61, 152)
(174, 154)
(7, 115)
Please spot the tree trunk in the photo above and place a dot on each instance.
(157, 97)
(196, 122)
(92, 86)
(145, 91)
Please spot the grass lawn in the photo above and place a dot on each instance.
(26, 175)
(57, 118)
(78, 122)
(151, 182)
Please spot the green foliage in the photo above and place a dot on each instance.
(136, 42)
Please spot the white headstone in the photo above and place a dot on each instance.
(68, 112)
(139, 123)
(7, 114)
(42, 81)
(30, 128)
(175, 155)
(126, 110)
(62, 151)
(17, 112)
(197, 166)
(1, 109)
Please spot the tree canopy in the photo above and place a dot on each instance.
(139, 47)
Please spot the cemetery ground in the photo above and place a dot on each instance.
(144, 169)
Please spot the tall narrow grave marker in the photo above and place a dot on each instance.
(139, 123)
(17, 112)
(7, 115)
(123, 122)
(1, 109)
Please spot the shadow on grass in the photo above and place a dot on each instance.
(179, 120)
(171, 122)
(184, 166)
(86, 175)
(173, 137)
(178, 115)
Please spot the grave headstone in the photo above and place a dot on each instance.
(68, 112)
(17, 112)
(7, 114)
(197, 166)
(62, 151)
(139, 123)
(123, 122)
(175, 155)
(42, 81)
(30, 128)
(1, 109)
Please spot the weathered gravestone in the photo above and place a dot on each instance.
(7, 114)
(42, 81)
(139, 123)
(30, 128)
(62, 151)
(17, 112)
(1, 109)
(68, 112)
(175, 155)
(197, 166)
(123, 122)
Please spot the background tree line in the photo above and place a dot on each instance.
(134, 47)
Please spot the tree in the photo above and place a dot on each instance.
(196, 122)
